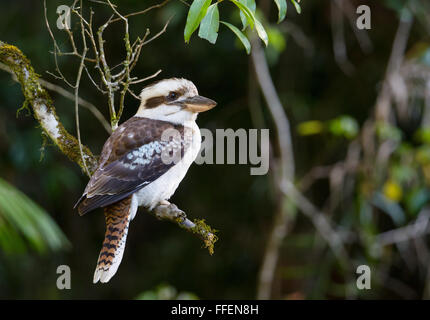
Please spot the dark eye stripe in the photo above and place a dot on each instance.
(154, 102)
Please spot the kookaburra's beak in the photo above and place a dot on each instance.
(197, 104)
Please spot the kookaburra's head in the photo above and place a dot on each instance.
(174, 100)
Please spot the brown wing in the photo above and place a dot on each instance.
(131, 159)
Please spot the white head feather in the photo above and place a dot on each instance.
(171, 113)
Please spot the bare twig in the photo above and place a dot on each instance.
(286, 185)
(276, 109)
(77, 83)
(339, 46)
(44, 110)
(321, 223)
(286, 165)
(147, 78)
(159, 33)
(362, 36)
(142, 11)
(383, 100)
(416, 229)
(133, 94)
(299, 36)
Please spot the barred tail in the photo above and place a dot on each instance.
(118, 216)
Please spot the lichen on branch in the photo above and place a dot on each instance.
(169, 211)
(43, 109)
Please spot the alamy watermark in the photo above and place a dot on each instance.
(225, 144)
(364, 18)
(364, 278)
(64, 280)
(63, 21)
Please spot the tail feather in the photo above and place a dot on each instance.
(118, 216)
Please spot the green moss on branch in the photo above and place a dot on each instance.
(43, 107)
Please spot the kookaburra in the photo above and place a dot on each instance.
(131, 170)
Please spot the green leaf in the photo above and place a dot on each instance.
(261, 32)
(240, 35)
(282, 9)
(246, 11)
(344, 126)
(250, 4)
(276, 39)
(386, 131)
(298, 8)
(252, 20)
(210, 24)
(310, 128)
(195, 15)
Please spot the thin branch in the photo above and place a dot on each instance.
(285, 184)
(415, 229)
(339, 46)
(383, 100)
(133, 94)
(362, 36)
(84, 103)
(320, 221)
(78, 81)
(93, 81)
(106, 74)
(44, 110)
(159, 33)
(286, 164)
(126, 62)
(101, 2)
(299, 36)
(141, 12)
(276, 109)
(147, 78)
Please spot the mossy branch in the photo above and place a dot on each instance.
(169, 211)
(44, 112)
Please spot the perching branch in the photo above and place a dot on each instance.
(171, 212)
(44, 112)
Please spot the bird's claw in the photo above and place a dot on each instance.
(167, 210)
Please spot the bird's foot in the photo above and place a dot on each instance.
(167, 210)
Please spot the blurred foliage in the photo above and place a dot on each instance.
(166, 292)
(344, 126)
(386, 190)
(22, 221)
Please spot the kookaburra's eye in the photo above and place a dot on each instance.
(172, 96)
